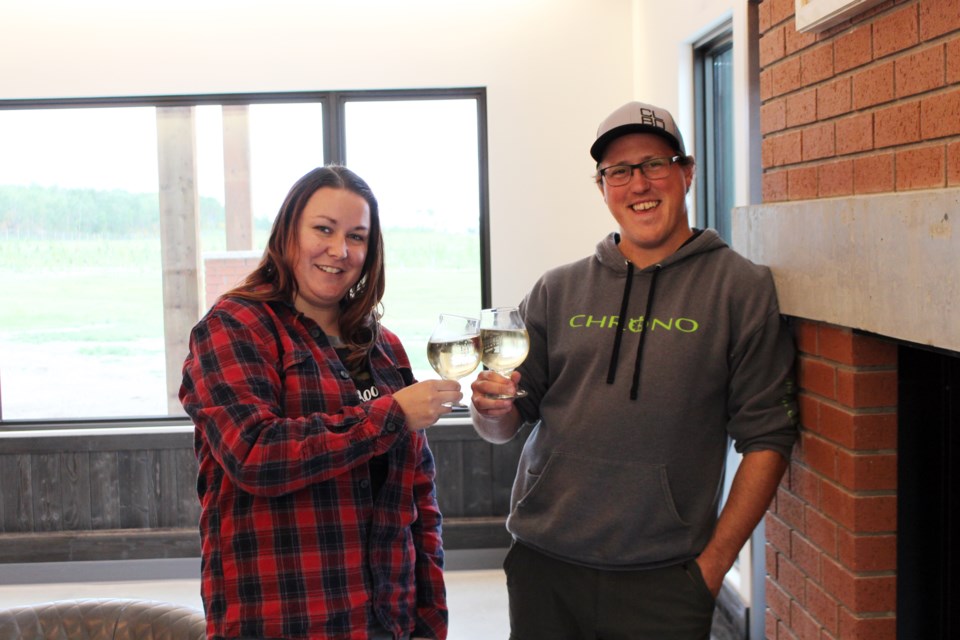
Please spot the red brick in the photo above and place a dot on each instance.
(806, 337)
(816, 64)
(785, 76)
(823, 607)
(801, 108)
(938, 17)
(836, 179)
(821, 531)
(853, 48)
(873, 174)
(802, 623)
(895, 31)
(856, 627)
(781, 10)
(804, 484)
(940, 115)
(770, 624)
(819, 141)
(858, 431)
(953, 164)
(867, 553)
(820, 455)
(763, 16)
(784, 148)
(773, 116)
(766, 84)
(817, 377)
(796, 40)
(809, 411)
(834, 98)
(805, 555)
(923, 168)
(920, 71)
(802, 183)
(792, 579)
(778, 600)
(867, 471)
(772, 46)
(774, 186)
(873, 86)
(859, 513)
(861, 389)
(770, 560)
(777, 533)
(854, 134)
(862, 594)
(897, 125)
(790, 509)
(953, 61)
(846, 347)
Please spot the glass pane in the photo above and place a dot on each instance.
(81, 315)
(421, 159)
(723, 139)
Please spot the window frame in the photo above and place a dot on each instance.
(333, 104)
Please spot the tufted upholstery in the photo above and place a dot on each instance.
(102, 619)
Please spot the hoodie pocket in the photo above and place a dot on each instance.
(603, 511)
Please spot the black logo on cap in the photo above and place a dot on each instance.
(649, 117)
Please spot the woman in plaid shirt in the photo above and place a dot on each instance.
(319, 515)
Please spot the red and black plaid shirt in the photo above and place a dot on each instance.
(294, 542)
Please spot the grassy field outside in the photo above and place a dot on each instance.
(81, 320)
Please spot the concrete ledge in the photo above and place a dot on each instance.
(886, 264)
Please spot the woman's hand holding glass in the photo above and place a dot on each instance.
(453, 349)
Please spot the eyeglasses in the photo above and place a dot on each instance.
(620, 174)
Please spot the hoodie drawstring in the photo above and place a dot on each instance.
(615, 355)
(611, 374)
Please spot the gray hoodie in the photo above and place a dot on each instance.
(636, 381)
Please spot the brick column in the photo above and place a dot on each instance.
(831, 534)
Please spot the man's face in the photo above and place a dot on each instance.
(652, 214)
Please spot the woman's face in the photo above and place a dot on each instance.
(334, 233)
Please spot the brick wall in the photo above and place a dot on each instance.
(222, 271)
(871, 105)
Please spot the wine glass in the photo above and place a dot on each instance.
(505, 342)
(453, 349)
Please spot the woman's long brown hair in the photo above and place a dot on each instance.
(273, 280)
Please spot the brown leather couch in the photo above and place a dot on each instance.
(102, 619)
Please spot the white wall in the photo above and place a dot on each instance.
(552, 68)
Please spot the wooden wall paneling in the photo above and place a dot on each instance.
(75, 489)
(45, 472)
(104, 490)
(476, 473)
(448, 455)
(185, 472)
(138, 472)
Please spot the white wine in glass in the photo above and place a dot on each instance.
(505, 342)
(453, 349)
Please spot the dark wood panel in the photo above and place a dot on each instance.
(45, 474)
(137, 471)
(448, 458)
(476, 475)
(104, 490)
(75, 490)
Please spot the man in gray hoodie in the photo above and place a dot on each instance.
(646, 359)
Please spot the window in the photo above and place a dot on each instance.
(713, 78)
(97, 230)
